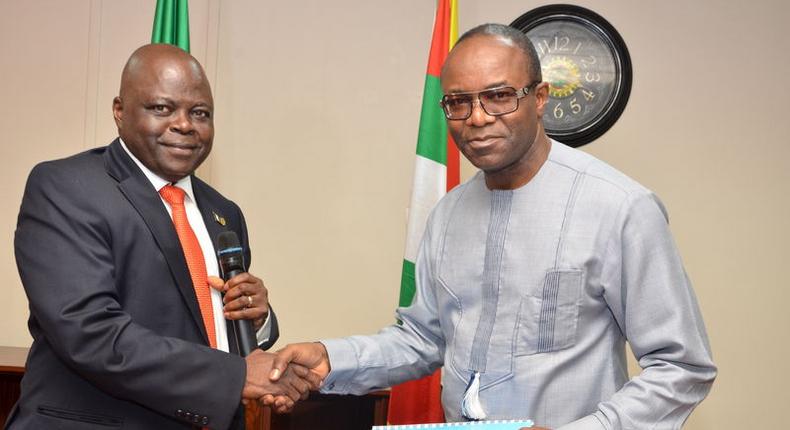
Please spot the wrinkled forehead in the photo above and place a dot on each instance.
(186, 73)
(171, 73)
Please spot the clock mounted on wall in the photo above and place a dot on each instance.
(587, 66)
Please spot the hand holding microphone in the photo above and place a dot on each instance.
(246, 298)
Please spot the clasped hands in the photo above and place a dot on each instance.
(283, 378)
(278, 380)
(295, 369)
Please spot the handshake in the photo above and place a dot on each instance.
(281, 379)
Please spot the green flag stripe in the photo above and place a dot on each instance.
(407, 284)
(432, 139)
(162, 15)
(171, 23)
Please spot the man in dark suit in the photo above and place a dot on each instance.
(121, 338)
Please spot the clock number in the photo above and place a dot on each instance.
(592, 76)
(587, 63)
(558, 112)
(575, 106)
(561, 47)
(587, 68)
(560, 44)
(543, 46)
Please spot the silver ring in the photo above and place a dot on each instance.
(249, 301)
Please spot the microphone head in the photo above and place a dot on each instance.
(230, 254)
(228, 239)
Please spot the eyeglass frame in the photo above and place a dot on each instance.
(520, 94)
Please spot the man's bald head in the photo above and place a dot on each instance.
(159, 57)
(164, 110)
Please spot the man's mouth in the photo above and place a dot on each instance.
(483, 141)
(180, 148)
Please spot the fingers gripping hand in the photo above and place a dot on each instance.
(311, 355)
(283, 405)
(302, 379)
(312, 378)
(257, 384)
(296, 382)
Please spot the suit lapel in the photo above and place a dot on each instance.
(146, 201)
(211, 214)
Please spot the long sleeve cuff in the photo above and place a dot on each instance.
(265, 332)
(344, 363)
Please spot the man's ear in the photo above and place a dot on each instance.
(117, 111)
(541, 98)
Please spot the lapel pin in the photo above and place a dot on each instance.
(219, 219)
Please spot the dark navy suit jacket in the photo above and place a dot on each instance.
(118, 340)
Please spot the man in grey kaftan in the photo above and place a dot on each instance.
(533, 275)
(571, 265)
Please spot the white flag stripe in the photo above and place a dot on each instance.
(430, 185)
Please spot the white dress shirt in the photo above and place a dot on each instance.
(206, 245)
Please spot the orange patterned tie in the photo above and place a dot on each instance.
(194, 255)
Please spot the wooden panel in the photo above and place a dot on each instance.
(9, 393)
(12, 367)
(257, 417)
(334, 412)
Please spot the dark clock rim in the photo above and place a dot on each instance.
(596, 23)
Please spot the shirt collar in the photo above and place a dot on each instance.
(184, 183)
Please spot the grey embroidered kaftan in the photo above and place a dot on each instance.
(539, 288)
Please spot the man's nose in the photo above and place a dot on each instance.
(479, 117)
(182, 122)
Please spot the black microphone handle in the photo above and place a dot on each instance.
(246, 340)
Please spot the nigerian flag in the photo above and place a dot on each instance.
(436, 171)
(171, 23)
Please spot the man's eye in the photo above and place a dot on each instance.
(499, 95)
(203, 114)
(160, 108)
(456, 101)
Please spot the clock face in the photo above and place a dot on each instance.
(587, 67)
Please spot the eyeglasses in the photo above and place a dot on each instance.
(495, 102)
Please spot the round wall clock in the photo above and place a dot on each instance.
(587, 66)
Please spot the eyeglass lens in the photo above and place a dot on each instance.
(498, 101)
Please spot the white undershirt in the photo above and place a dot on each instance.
(206, 245)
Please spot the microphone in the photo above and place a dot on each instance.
(231, 263)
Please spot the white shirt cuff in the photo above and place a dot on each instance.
(265, 332)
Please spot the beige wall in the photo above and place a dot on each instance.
(317, 109)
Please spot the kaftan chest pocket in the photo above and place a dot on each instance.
(547, 321)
